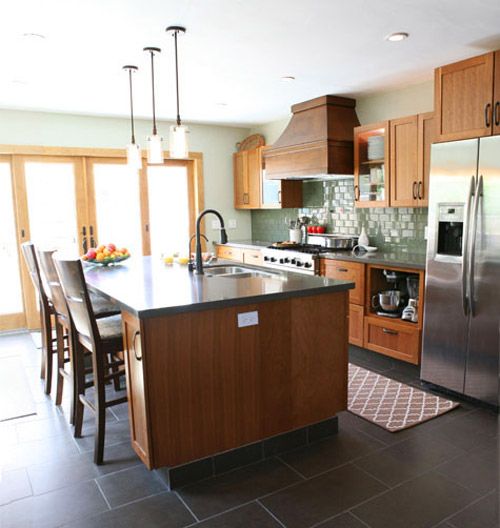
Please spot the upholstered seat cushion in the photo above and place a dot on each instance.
(110, 327)
(102, 306)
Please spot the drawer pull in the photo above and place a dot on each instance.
(343, 270)
(390, 332)
(136, 335)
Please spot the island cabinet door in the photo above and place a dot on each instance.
(137, 388)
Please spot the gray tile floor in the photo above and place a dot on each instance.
(442, 474)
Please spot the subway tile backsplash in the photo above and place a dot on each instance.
(332, 203)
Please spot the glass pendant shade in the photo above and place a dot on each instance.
(134, 160)
(178, 144)
(155, 151)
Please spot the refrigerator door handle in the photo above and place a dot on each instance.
(465, 247)
(472, 253)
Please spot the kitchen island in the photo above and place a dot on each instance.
(220, 361)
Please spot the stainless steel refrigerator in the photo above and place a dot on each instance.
(461, 344)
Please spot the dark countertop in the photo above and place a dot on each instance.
(392, 258)
(396, 258)
(148, 288)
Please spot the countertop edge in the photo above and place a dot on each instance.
(224, 303)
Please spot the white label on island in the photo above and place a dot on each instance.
(248, 319)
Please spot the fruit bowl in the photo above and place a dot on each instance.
(105, 255)
(106, 261)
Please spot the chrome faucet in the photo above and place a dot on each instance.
(223, 237)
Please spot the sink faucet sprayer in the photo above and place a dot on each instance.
(223, 236)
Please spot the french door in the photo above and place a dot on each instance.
(72, 203)
(52, 210)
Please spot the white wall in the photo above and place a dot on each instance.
(217, 143)
(371, 108)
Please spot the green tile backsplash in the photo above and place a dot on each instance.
(332, 203)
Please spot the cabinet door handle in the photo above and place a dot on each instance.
(390, 332)
(414, 190)
(497, 113)
(279, 197)
(487, 120)
(356, 193)
(134, 341)
(420, 190)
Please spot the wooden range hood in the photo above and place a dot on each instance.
(318, 141)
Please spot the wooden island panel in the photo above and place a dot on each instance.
(212, 386)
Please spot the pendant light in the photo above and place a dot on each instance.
(134, 160)
(155, 151)
(178, 143)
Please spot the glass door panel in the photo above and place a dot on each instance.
(11, 299)
(117, 205)
(169, 216)
(52, 204)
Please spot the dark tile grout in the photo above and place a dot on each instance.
(352, 462)
(270, 513)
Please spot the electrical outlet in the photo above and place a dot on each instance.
(248, 319)
(231, 223)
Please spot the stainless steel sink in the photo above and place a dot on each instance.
(238, 272)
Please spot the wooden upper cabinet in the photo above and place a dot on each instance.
(240, 162)
(464, 98)
(247, 166)
(404, 153)
(426, 136)
(496, 95)
(371, 165)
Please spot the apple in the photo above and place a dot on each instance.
(91, 254)
(111, 248)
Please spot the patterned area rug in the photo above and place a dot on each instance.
(391, 404)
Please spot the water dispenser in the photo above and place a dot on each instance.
(450, 229)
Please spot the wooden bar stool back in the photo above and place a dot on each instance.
(63, 327)
(46, 310)
(102, 337)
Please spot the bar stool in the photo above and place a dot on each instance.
(102, 338)
(46, 311)
(101, 306)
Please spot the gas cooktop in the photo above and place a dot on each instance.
(311, 249)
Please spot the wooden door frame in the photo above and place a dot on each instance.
(14, 320)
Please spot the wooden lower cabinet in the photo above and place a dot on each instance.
(395, 339)
(356, 316)
(253, 256)
(136, 388)
(346, 270)
(229, 253)
(204, 385)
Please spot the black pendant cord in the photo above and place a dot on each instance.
(132, 130)
(153, 92)
(177, 79)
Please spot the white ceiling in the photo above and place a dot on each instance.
(234, 52)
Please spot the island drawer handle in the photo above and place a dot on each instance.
(137, 333)
(390, 332)
(343, 270)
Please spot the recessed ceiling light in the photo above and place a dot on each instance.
(34, 36)
(288, 78)
(397, 37)
(221, 104)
